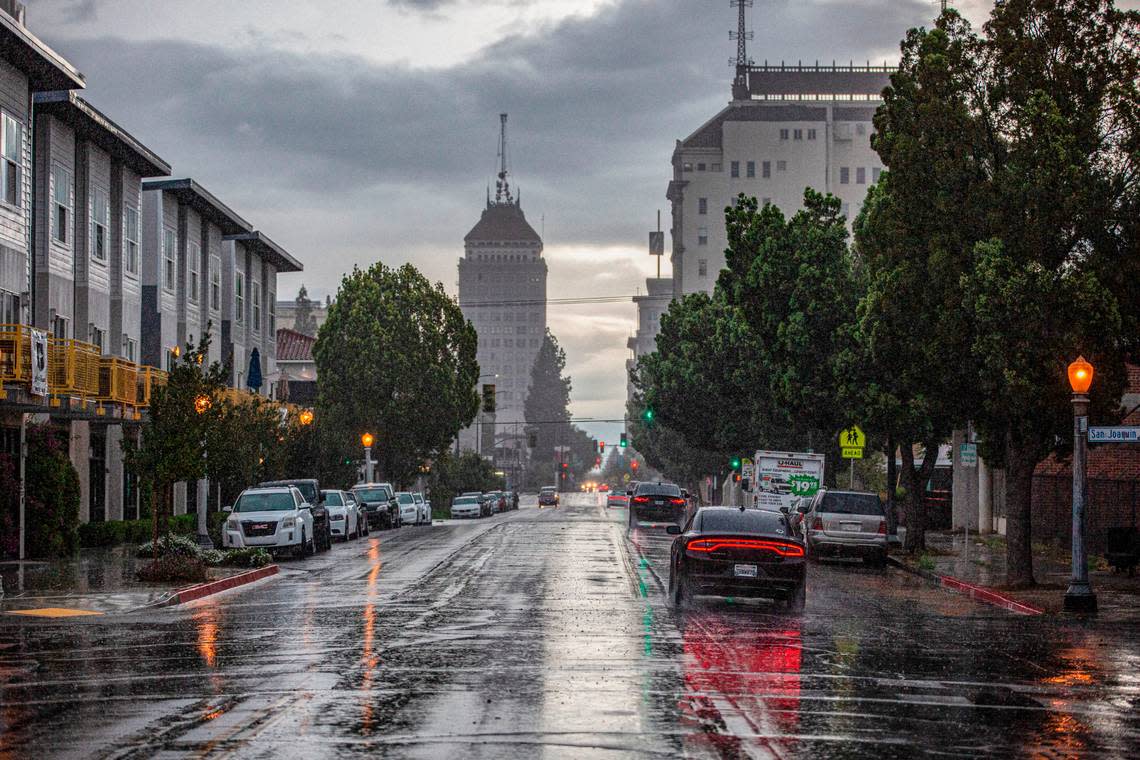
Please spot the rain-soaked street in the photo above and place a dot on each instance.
(546, 634)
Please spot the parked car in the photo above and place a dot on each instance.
(379, 501)
(548, 497)
(467, 506)
(617, 500)
(275, 518)
(732, 551)
(361, 515)
(343, 515)
(409, 510)
(311, 490)
(498, 501)
(490, 503)
(424, 507)
(845, 524)
(658, 503)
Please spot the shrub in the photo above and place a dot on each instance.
(171, 545)
(173, 568)
(51, 497)
(250, 557)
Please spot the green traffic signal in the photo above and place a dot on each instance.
(735, 463)
(648, 415)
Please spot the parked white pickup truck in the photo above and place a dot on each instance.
(272, 518)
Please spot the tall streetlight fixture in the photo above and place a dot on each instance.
(1080, 596)
(202, 404)
(367, 441)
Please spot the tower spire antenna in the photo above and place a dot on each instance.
(742, 61)
(502, 185)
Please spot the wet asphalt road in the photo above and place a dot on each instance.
(546, 634)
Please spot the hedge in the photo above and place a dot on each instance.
(115, 532)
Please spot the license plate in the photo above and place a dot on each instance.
(658, 502)
(744, 571)
(851, 527)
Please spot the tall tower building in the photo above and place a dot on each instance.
(502, 291)
(787, 127)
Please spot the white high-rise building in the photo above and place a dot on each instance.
(786, 129)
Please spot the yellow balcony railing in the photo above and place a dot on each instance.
(15, 353)
(148, 379)
(73, 368)
(118, 380)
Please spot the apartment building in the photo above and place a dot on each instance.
(650, 306)
(786, 129)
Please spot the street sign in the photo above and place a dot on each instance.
(968, 454)
(625, 478)
(657, 243)
(852, 452)
(853, 438)
(1114, 435)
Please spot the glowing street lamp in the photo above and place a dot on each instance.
(367, 440)
(202, 403)
(1080, 597)
(305, 417)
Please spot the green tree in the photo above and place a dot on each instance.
(547, 409)
(51, 499)
(171, 447)
(395, 358)
(450, 476)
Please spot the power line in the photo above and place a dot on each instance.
(556, 301)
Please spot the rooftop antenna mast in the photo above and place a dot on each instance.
(742, 61)
(502, 186)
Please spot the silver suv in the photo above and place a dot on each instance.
(845, 524)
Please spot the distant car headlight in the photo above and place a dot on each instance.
(288, 522)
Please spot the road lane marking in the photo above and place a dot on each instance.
(53, 612)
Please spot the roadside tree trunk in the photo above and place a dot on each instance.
(914, 481)
(154, 491)
(1020, 464)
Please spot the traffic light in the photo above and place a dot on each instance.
(736, 477)
(597, 461)
(647, 415)
(595, 447)
(488, 398)
(633, 465)
(624, 442)
(532, 439)
(735, 463)
(602, 447)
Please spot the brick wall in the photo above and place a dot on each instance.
(1112, 503)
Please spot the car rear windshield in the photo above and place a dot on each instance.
(737, 521)
(332, 498)
(658, 489)
(373, 494)
(851, 504)
(406, 498)
(273, 501)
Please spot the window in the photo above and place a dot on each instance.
(9, 308)
(844, 175)
(783, 134)
(131, 239)
(811, 134)
(100, 220)
(876, 172)
(168, 242)
(751, 168)
(702, 268)
(766, 169)
(798, 134)
(715, 168)
(273, 313)
(10, 162)
(734, 169)
(702, 205)
(59, 327)
(255, 299)
(861, 175)
(781, 166)
(702, 236)
(61, 203)
(700, 167)
(129, 347)
(195, 264)
(239, 297)
(215, 283)
(97, 338)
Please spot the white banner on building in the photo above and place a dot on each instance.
(39, 363)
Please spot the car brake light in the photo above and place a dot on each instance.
(640, 499)
(817, 524)
(882, 527)
(781, 548)
(677, 502)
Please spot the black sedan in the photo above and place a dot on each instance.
(729, 551)
(657, 503)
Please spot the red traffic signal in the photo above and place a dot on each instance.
(602, 447)
(633, 465)
(564, 465)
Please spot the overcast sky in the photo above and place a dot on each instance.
(364, 130)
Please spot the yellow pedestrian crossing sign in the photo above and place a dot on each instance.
(851, 442)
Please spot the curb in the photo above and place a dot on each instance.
(978, 593)
(191, 593)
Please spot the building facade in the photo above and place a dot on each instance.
(650, 307)
(787, 128)
(502, 291)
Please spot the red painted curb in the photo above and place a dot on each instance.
(191, 593)
(987, 595)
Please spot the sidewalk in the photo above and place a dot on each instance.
(100, 581)
(981, 562)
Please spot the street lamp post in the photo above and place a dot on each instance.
(1080, 597)
(202, 404)
(367, 440)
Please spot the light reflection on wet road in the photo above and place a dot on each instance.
(545, 634)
